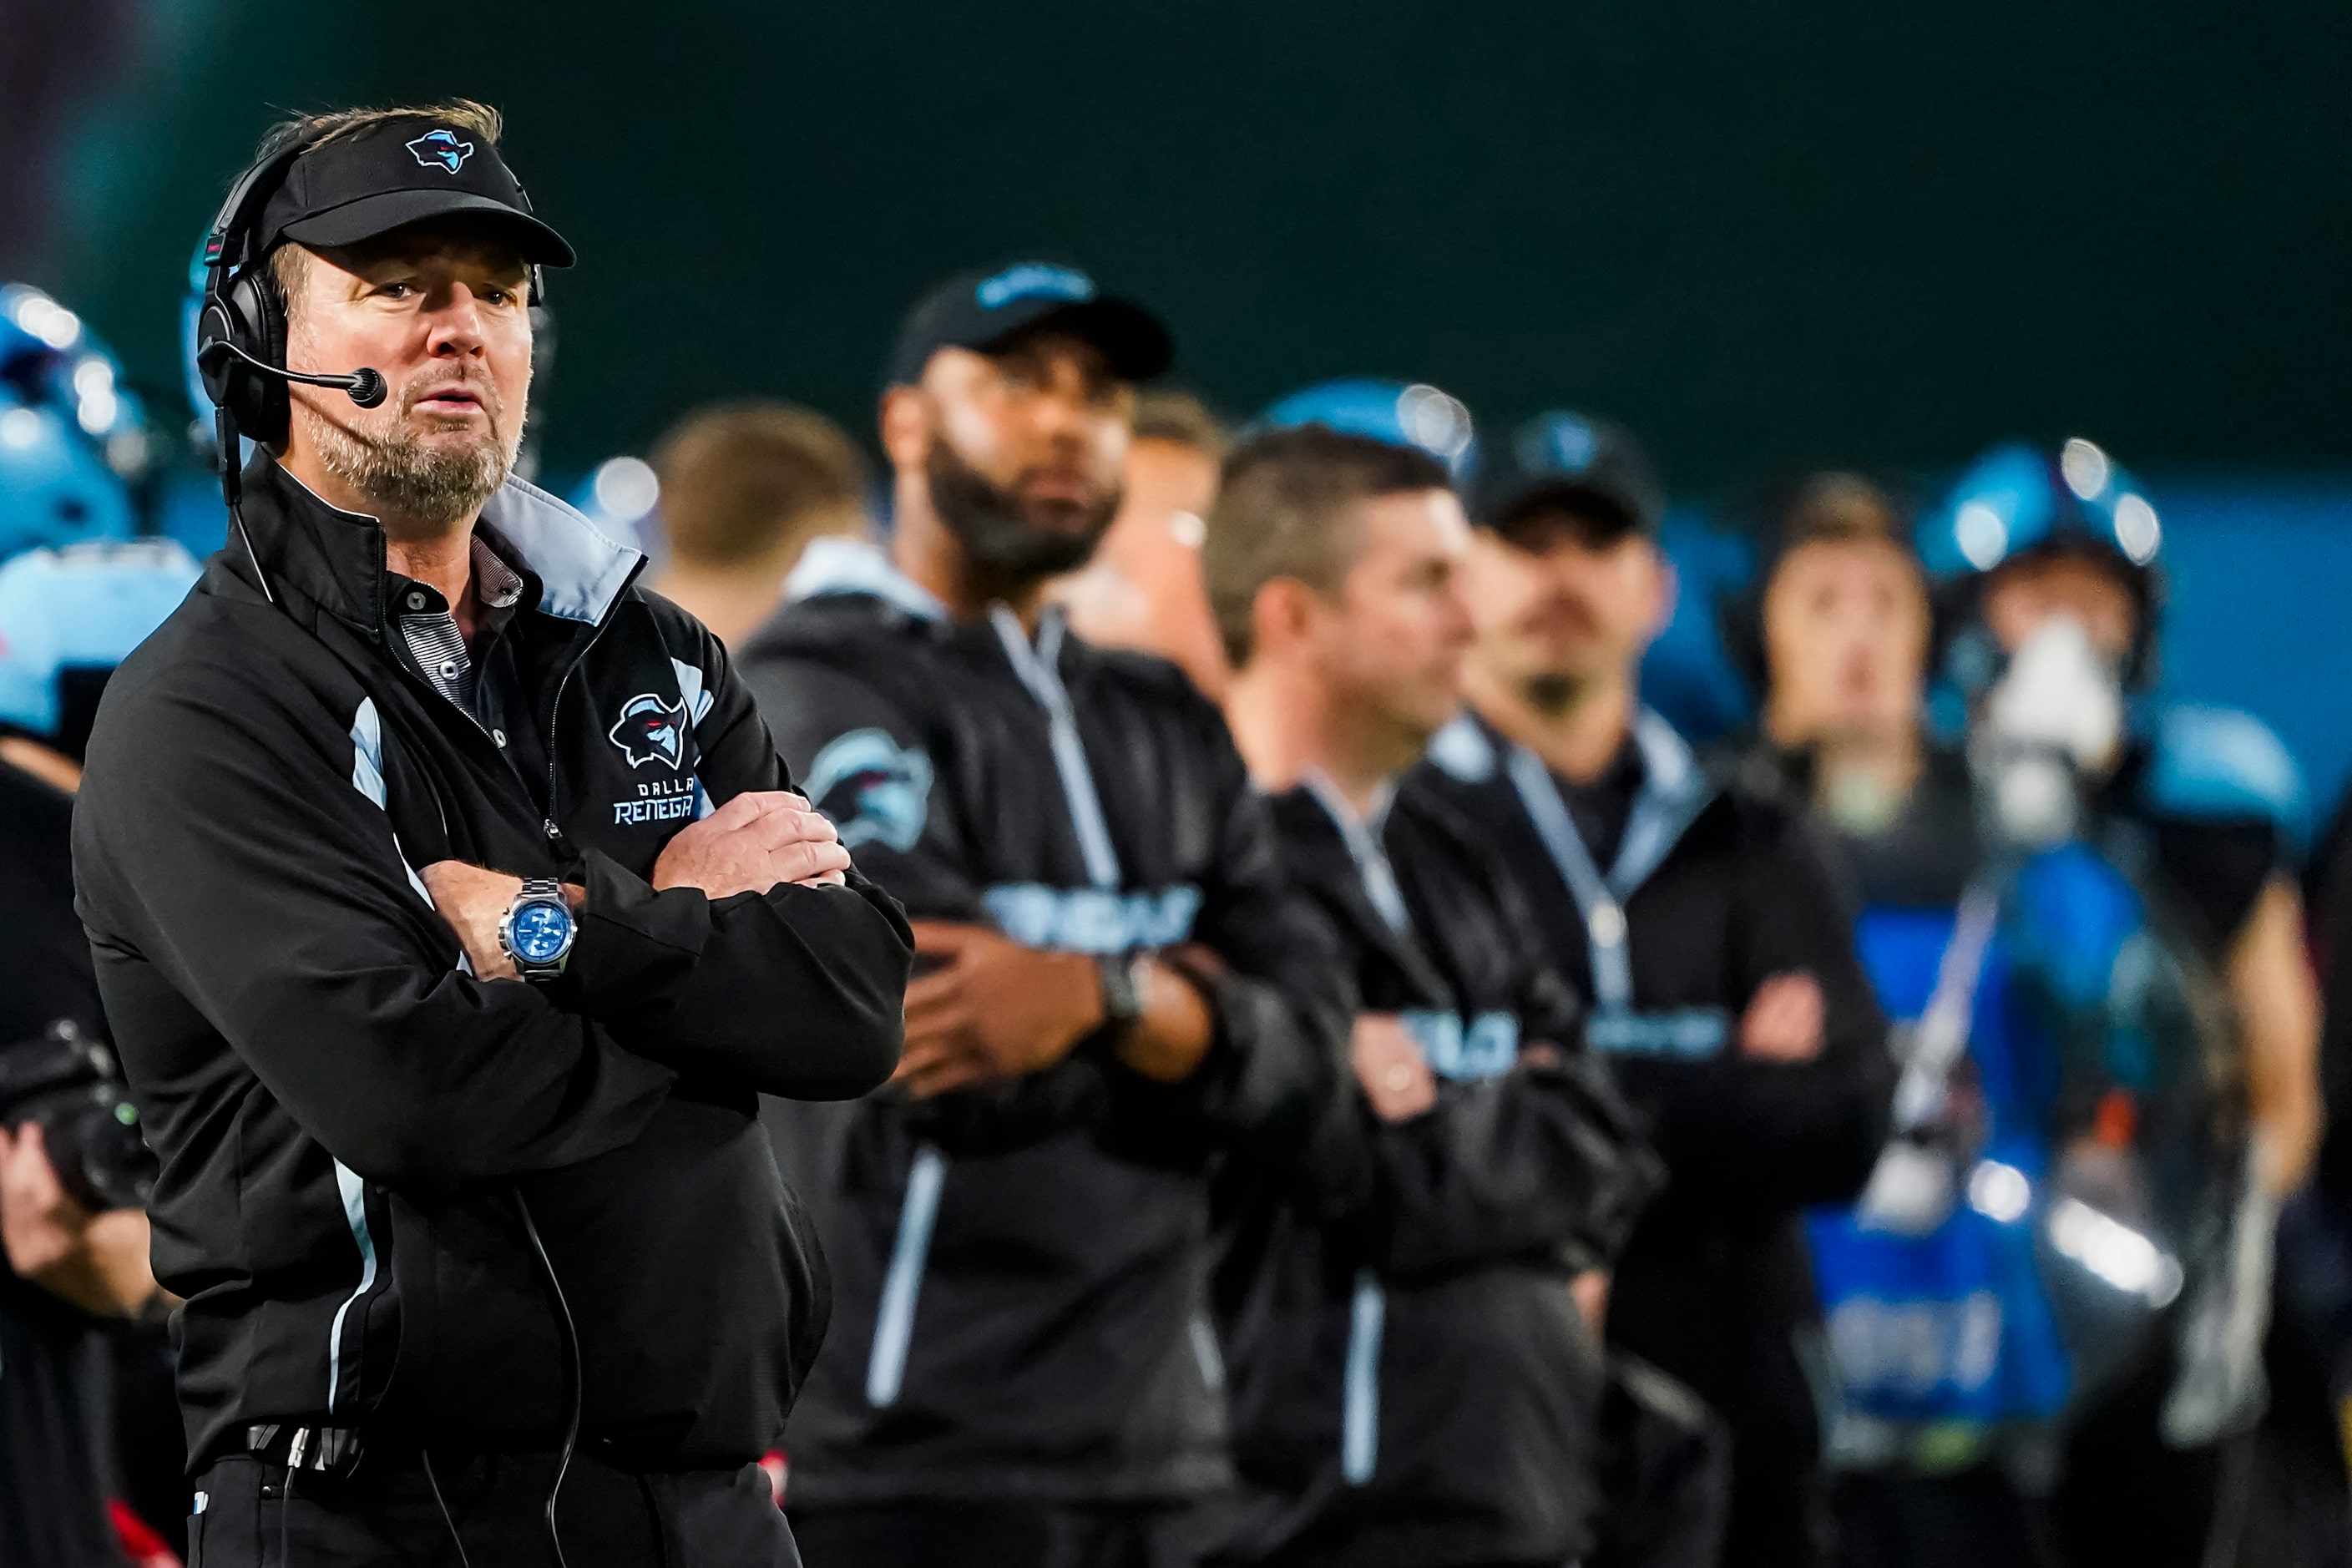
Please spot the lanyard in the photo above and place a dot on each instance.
(1036, 666)
(1673, 794)
(1941, 1036)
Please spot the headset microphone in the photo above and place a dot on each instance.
(364, 385)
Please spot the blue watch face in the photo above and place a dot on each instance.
(538, 932)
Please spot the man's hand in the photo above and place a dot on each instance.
(1784, 1019)
(98, 1262)
(994, 1009)
(1591, 1291)
(1395, 1076)
(753, 843)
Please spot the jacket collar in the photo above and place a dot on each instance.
(833, 566)
(335, 559)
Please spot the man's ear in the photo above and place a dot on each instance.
(906, 427)
(1668, 593)
(1281, 614)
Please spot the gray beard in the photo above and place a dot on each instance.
(434, 486)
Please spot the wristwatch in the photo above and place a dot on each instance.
(1120, 975)
(537, 931)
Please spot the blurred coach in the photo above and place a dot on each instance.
(452, 912)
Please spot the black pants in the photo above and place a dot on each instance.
(384, 1516)
(995, 1535)
(1973, 1519)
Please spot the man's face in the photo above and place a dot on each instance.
(1845, 640)
(1390, 642)
(1562, 603)
(1024, 451)
(442, 313)
(2026, 593)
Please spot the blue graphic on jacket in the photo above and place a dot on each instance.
(885, 788)
(1092, 919)
(1466, 1048)
(441, 149)
(651, 731)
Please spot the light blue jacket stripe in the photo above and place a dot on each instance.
(1036, 666)
(894, 1322)
(354, 1190)
(1359, 1411)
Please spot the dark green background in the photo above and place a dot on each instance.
(1763, 235)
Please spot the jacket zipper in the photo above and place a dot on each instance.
(555, 710)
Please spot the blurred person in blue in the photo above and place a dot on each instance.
(2070, 911)
(1704, 921)
(1413, 1378)
(90, 1443)
(1115, 985)
(71, 436)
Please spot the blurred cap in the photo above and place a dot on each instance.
(2020, 497)
(402, 172)
(50, 359)
(1567, 461)
(55, 486)
(986, 312)
(1402, 414)
(81, 609)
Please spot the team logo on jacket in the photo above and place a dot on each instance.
(441, 150)
(875, 790)
(651, 731)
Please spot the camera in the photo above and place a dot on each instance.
(71, 1086)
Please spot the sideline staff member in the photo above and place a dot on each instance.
(1414, 1379)
(428, 1213)
(1719, 961)
(1120, 985)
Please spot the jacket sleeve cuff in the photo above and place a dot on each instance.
(635, 944)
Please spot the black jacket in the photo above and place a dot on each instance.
(1020, 1274)
(349, 1123)
(1715, 1283)
(1412, 1383)
(45, 970)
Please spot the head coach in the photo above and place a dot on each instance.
(452, 910)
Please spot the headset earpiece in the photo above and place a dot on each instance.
(244, 308)
(248, 314)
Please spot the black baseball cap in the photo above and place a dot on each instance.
(985, 312)
(1567, 462)
(401, 172)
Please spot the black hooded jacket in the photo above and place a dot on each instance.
(1021, 1273)
(1412, 1383)
(1720, 889)
(350, 1124)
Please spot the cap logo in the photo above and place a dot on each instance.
(440, 149)
(1568, 444)
(1032, 280)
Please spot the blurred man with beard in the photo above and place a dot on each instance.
(1116, 985)
(1703, 922)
